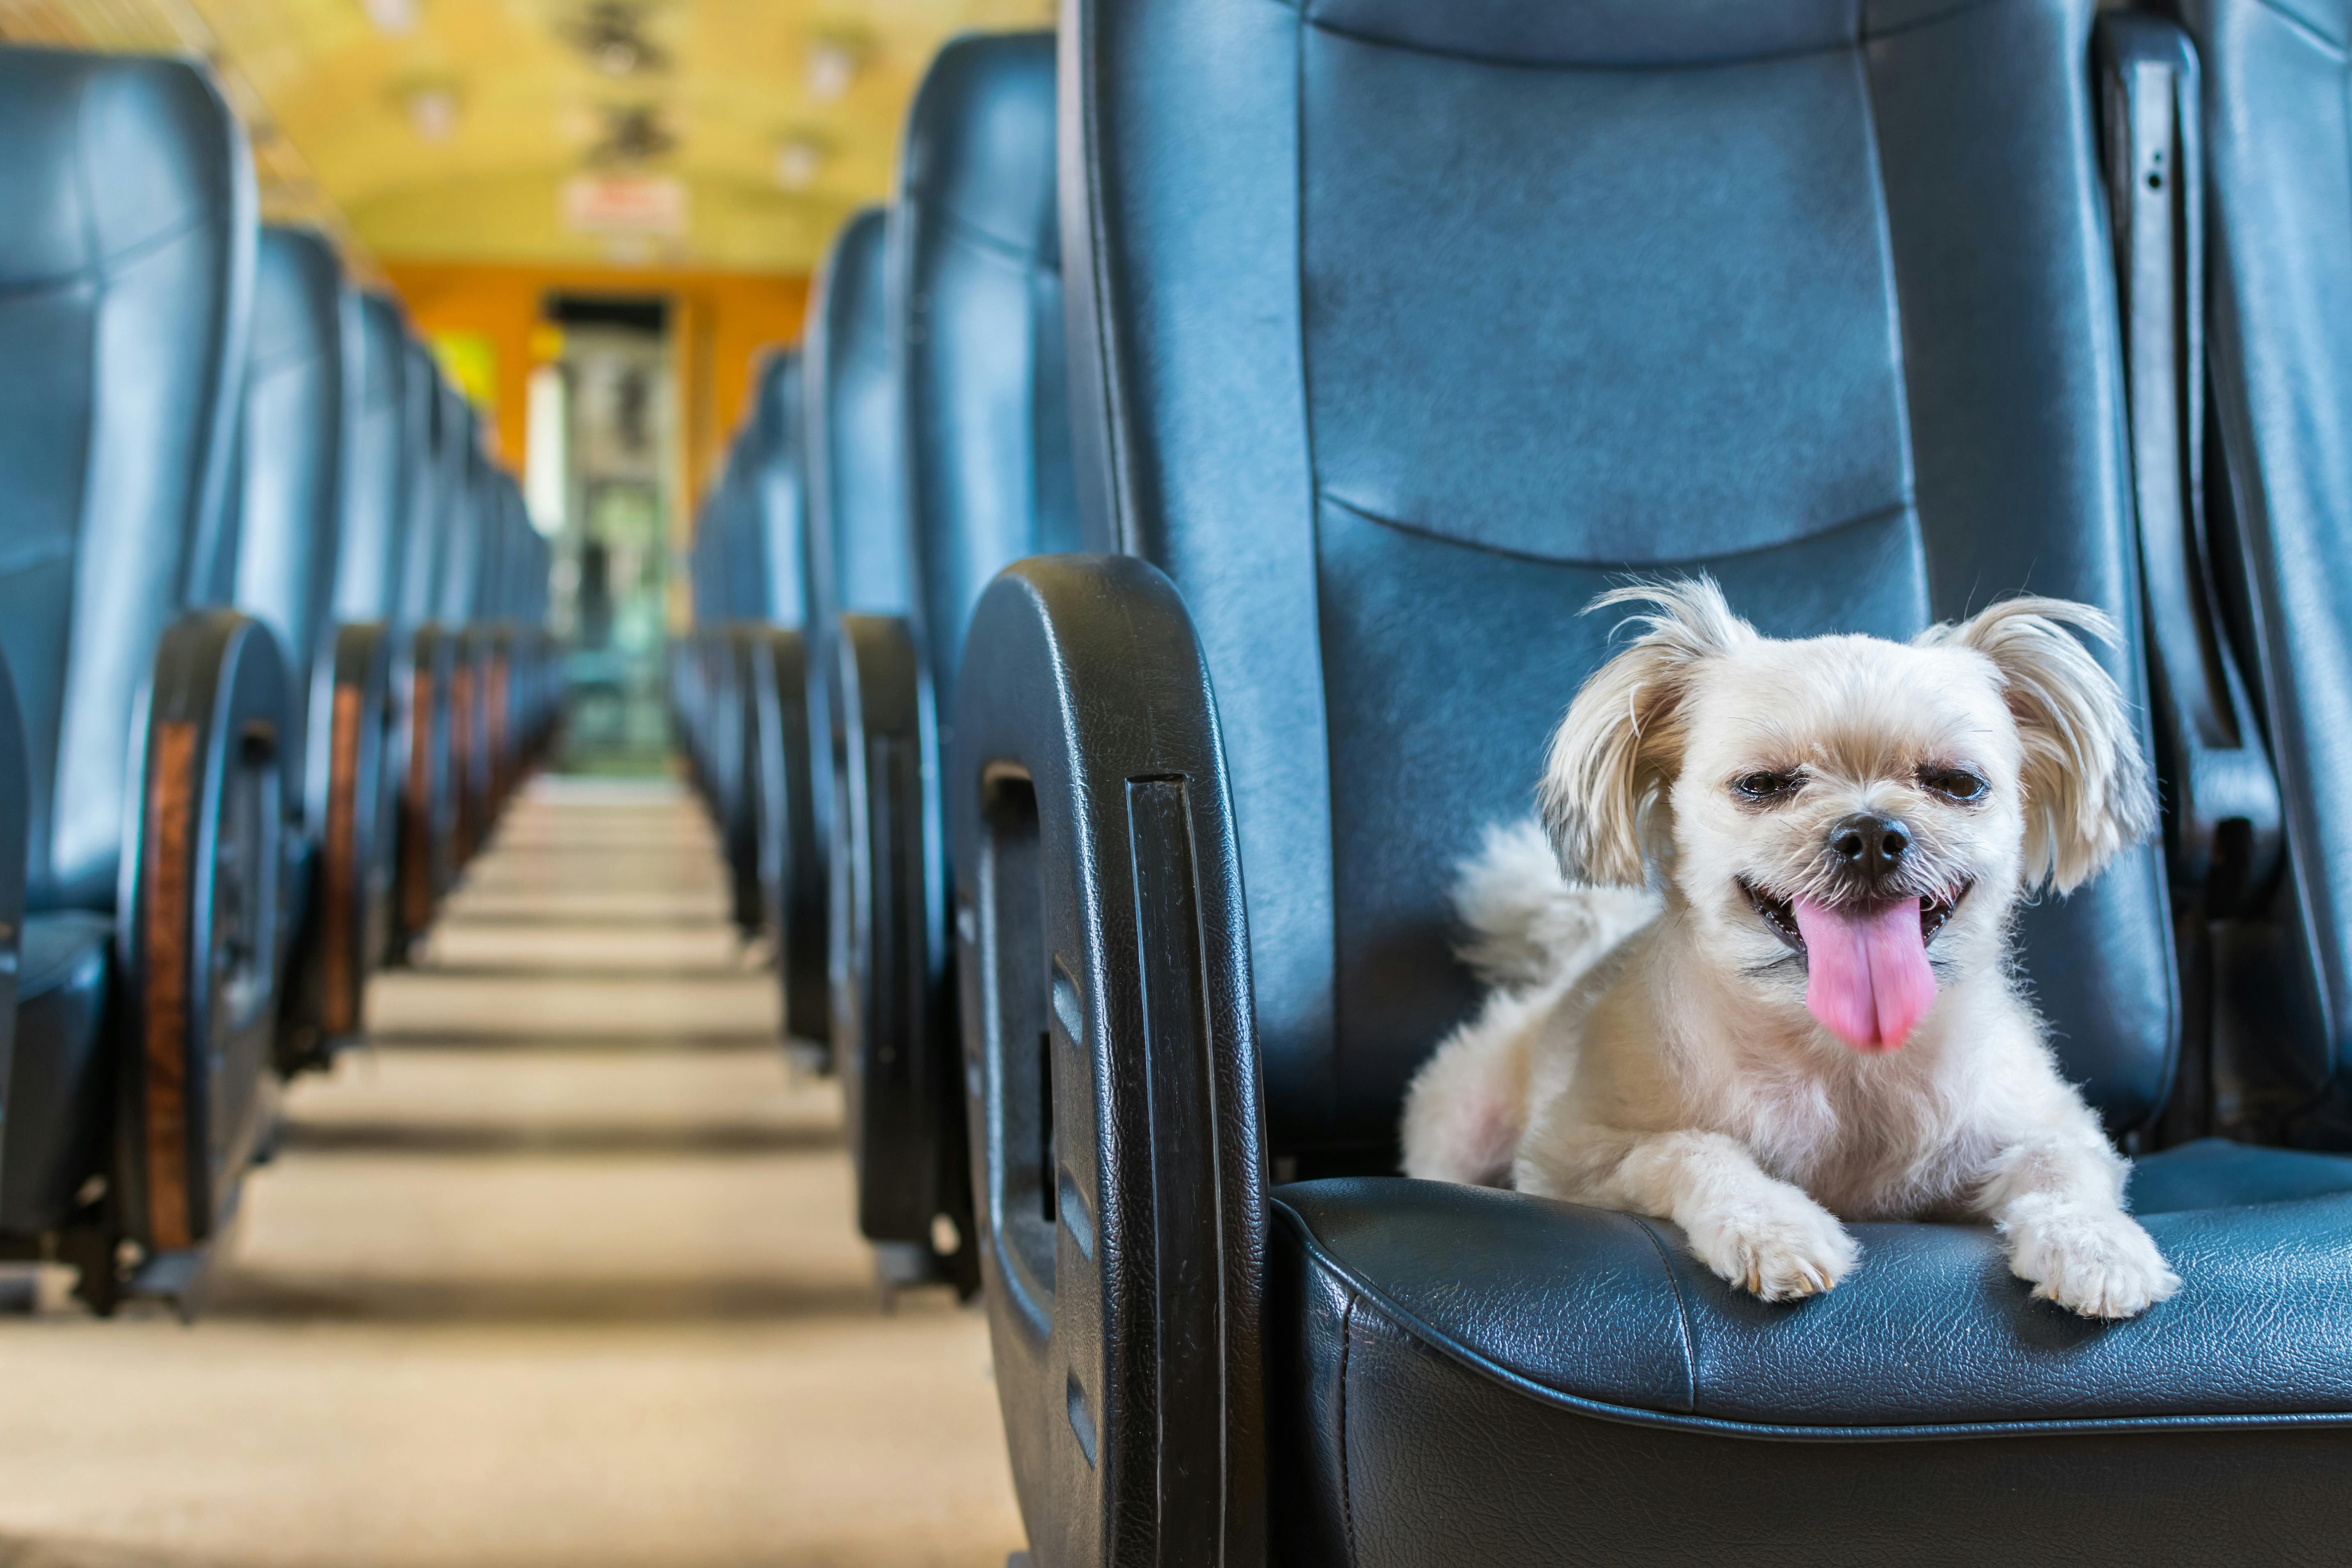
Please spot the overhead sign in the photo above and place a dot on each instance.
(618, 204)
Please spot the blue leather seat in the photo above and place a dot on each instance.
(281, 563)
(789, 875)
(733, 603)
(856, 547)
(127, 239)
(975, 292)
(367, 654)
(457, 611)
(743, 703)
(502, 607)
(2276, 164)
(1403, 331)
(438, 430)
(275, 555)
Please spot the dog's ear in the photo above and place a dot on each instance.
(1622, 740)
(2084, 775)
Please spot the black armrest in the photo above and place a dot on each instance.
(348, 806)
(893, 1042)
(745, 688)
(470, 761)
(198, 916)
(14, 805)
(792, 863)
(1113, 1073)
(425, 813)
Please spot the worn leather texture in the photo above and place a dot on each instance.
(60, 1081)
(274, 557)
(1401, 330)
(380, 472)
(2278, 145)
(1465, 1375)
(126, 272)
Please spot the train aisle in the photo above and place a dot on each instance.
(560, 1271)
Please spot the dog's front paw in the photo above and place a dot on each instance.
(2094, 1261)
(1781, 1246)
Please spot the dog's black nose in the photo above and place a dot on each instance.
(1869, 845)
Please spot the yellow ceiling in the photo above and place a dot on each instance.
(343, 97)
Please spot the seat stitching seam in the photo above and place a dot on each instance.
(1859, 520)
(961, 228)
(1571, 68)
(1681, 1312)
(18, 565)
(1861, 36)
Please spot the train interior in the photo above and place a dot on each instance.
(745, 748)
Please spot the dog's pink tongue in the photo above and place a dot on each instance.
(1867, 976)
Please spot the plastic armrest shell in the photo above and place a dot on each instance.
(347, 802)
(198, 914)
(791, 862)
(891, 1043)
(1113, 1072)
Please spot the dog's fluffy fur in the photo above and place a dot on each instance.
(1648, 1044)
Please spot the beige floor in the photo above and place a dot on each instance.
(560, 1271)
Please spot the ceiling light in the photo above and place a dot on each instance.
(395, 18)
(834, 59)
(800, 158)
(433, 110)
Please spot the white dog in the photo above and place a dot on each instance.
(1773, 987)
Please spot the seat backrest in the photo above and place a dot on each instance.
(1403, 331)
(375, 495)
(514, 543)
(779, 493)
(856, 534)
(2278, 148)
(431, 440)
(276, 554)
(738, 550)
(126, 272)
(467, 475)
(975, 282)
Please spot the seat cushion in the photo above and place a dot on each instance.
(58, 1101)
(1445, 1353)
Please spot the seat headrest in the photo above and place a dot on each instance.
(108, 154)
(383, 357)
(856, 534)
(984, 109)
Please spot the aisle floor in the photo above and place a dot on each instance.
(559, 1270)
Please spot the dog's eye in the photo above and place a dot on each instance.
(1766, 786)
(1953, 784)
